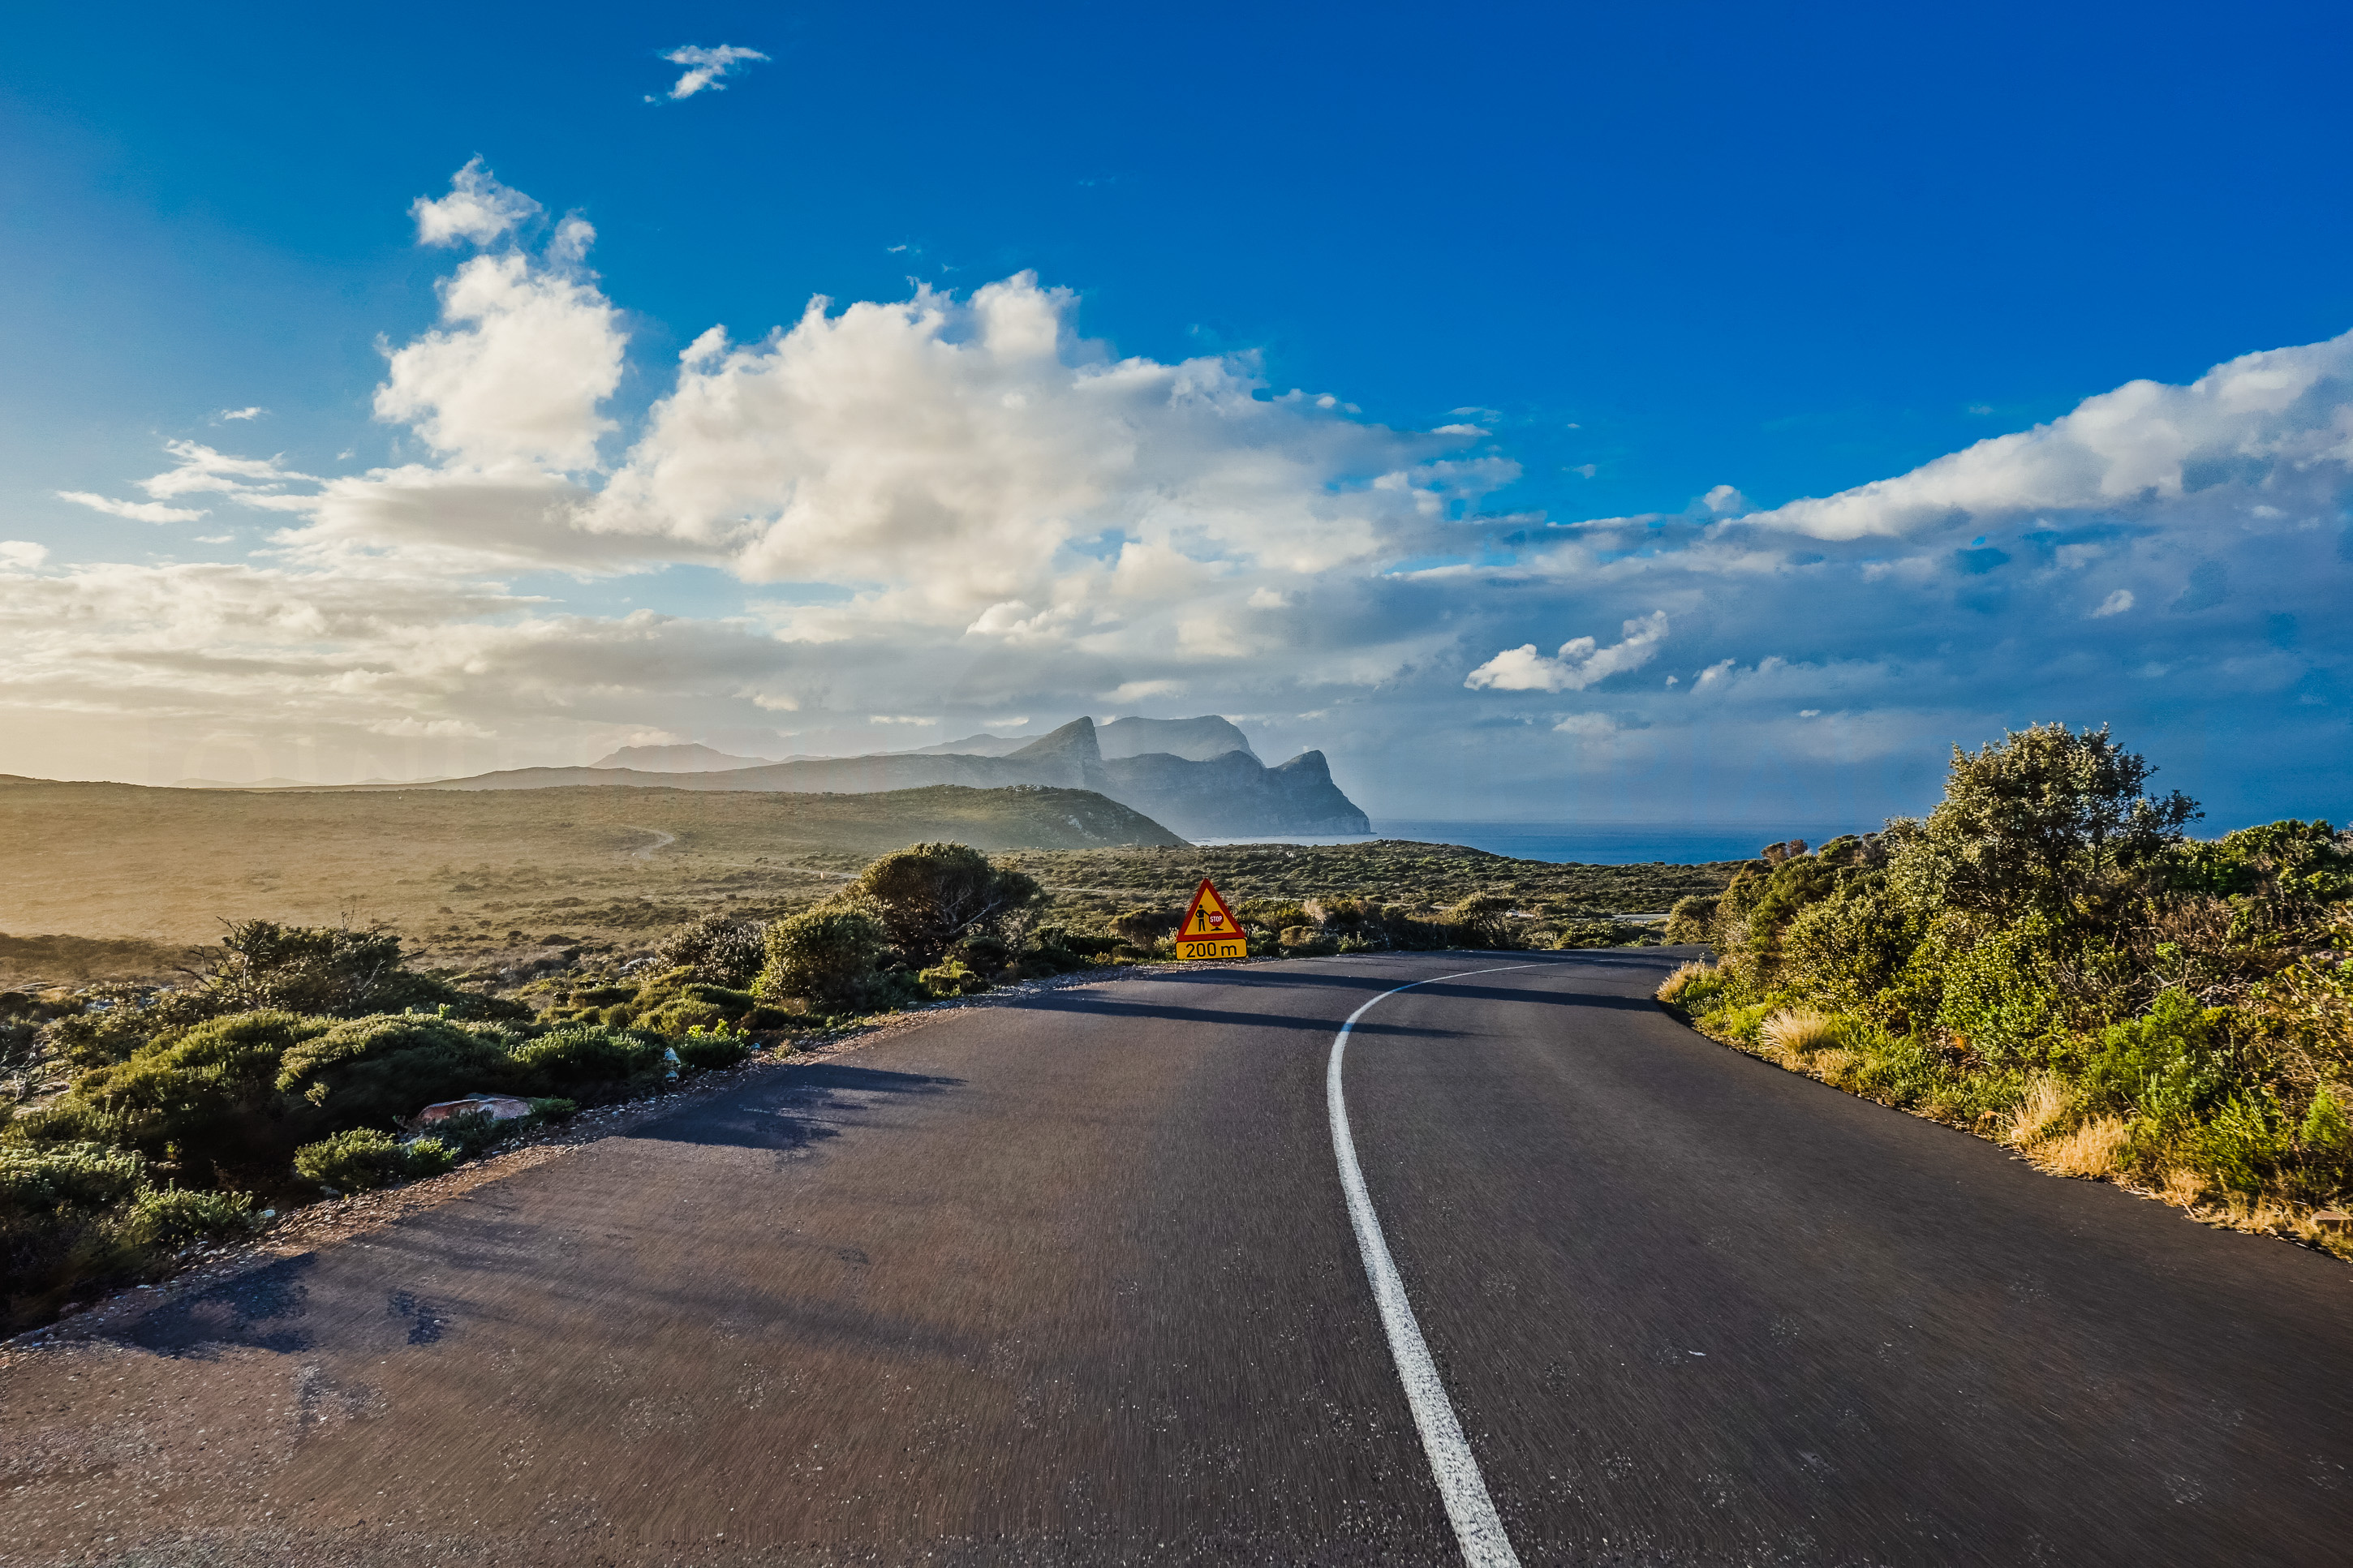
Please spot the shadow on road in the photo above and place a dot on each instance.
(806, 1105)
(261, 1309)
(1103, 1006)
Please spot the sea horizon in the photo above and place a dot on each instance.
(1583, 843)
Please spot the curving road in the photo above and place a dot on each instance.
(1075, 1280)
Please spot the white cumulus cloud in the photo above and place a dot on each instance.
(1580, 663)
(477, 209)
(2278, 421)
(958, 505)
(516, 375)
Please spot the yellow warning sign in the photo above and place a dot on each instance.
(1209, 928)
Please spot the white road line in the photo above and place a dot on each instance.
(1476, 1529)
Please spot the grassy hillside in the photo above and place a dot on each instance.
(468, 877)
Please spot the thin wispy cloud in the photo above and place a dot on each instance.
(707, 69)
(231, 414)
(136, 511)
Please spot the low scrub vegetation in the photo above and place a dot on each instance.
(137, 1122)
(145, 1122)
(2047, 959)
(1091, 886)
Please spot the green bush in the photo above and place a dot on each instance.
(927, 897)
(2244, 1145)
(951, 978)
(69, 1121)
(208, 1098)
(1483, 920)
(983, 953)
(1693, 919)
(2326, 1132)
(1603, 933)
(375, 1071)
(718, 949)
(365, 1158)
(104, 1030)
(680, 1014)
(2169, 1068)
(589, 1062)
(172, 1217)
(1996, 991)
(707, 1052)
(828, 955)
(36, 1181)
(1852, 945)
(58, 1229)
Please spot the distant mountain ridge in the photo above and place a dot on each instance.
(1228, 793)
(687, 759)
(1200, 740)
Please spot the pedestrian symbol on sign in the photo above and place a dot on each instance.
(1209, 929)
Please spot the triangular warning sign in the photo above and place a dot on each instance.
(1208, 915)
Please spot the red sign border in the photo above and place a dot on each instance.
(1208, 889)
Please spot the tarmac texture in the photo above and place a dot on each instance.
(1072, 1281)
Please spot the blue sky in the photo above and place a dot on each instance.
(1554, 269)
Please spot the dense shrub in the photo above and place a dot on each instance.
(589, 1062)
(2170, 1068)
(1851, 946)
(2045, 955)
(828, 955)
(1483, 920)
(1693, 919)
(670, 1002)
(1141, 928)
(951, 978)
(1999, 992)
(57, 1227)
(929, 896)
(365, 1158)
(35, 1181)
(174, 1218)
(718, 949)
(208, 1098)
(106, 1027)
(707, 1052)
(375, 1071)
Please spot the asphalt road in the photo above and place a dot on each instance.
(1073, 1281)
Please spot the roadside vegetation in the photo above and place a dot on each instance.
(2047, 960)
(140, 1122)
(1425, 878)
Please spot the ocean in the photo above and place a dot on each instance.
(1595, 842)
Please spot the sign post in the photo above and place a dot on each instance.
(1209, 928)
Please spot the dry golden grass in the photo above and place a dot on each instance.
(1795, 1032)
(2044, 1103)
(467, 876)
(2184, 1189)
(2095, 1150)
(1674, 986)
(1835, 1067)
